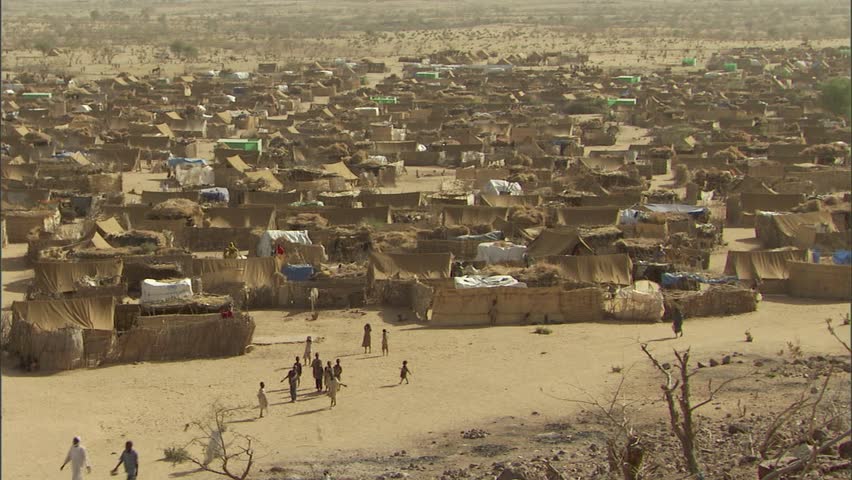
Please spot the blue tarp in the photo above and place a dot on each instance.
(842, 257)
(486, 237)
(298, 273)
(675, 208)
(669, 279)
(175, 161)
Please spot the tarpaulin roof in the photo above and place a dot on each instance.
(788, 224)
(402, 266)
(341, 170)
(110, 226)
(586, 216)
(61, 277)
(556, 242)
(674, 208)
(92, 313)
(237, 163)
(267, 177)
(617, 269)
(175, 161)
(764, 264)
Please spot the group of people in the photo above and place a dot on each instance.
(327, 378)
(78, 457)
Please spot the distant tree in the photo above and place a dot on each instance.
(95, 15)
(183, 49)
(44, 45)
(836, 96)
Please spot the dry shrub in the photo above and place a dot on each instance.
(730, 154)
(306, 221)
(394, 241)
(681, 175)
(526, 217)
(519, 160)
(175, 209)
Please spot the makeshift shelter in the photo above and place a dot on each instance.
(470, 215)
(270, 238)
(514, 306)
(61, 334)
(757, 267)
(585, 216)
(65, 277)
(641, 302)
(255, 216)
(558, 242)
(500, 252)
(393, 200)
(400, 266)
(780, 230)
(594, 269)
(816, 280)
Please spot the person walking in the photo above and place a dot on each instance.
(79, 458)
(367, 342)
(384, 342)
(338, 369)
(298, 368)
(316, 366)
(492, 312)
(307, 355)
(334, 385)
(130, 459)
(404, 372)
(677, 322)
(262, 400)
(327, 374)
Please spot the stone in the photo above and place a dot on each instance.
(726, 360)
(713, 362)
(701, 365)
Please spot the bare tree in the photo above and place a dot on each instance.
(228, 453)
(837, 337)
(681, 407)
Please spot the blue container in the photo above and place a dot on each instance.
(298, 273)
(815, 256)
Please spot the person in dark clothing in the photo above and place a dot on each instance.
(298, 368)
(677, 322)
(292, 380)
(338, 369)
(316, 367)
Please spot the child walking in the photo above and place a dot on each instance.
(404, 372)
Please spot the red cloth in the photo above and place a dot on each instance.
(279, 250)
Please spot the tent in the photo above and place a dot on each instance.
(502, 187)
(616, 269)
(96, 313)
(586, 216)
(179, 161)
(403, 266)
(340, 169)
(272, 237)
(478, 281)
(557, 242)
(499, 252)
(62, 277)
(763, 265)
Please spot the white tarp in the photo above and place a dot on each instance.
(499, 252)
(270, 237)
(497, 187)
(478, 281)
(195, 176)
(154, 291)
(643, 302)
